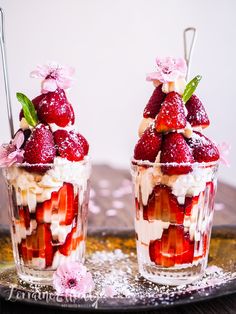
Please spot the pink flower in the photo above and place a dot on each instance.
(12, 153)
(73, 279)
(168, 70)
(224, 149)
(54, 76)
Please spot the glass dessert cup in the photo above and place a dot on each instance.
(48, 217)
(173, 221)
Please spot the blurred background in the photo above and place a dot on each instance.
(112, 45)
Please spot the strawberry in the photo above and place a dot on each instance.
(55, 108)
(171, 115)
(39, 149)
(71, 242)
(61, 203)
(204, 150)
(38, 244)
(197, 115)
(148, 145)
(154, 104)
(163, 205)
(70, 145)
(174, 247)
(24, 216)
(175, 150)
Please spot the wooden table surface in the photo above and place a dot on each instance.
(111, 206)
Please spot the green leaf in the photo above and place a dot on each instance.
(28, 109)
(190, 88)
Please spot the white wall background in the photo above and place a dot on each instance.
(112, 45)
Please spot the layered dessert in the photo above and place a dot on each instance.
(48, 179)
(174, 173)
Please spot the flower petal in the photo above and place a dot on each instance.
(18, 140)
(49, 85)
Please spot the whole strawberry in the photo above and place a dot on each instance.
(148, 145)
(154, 104)
(55, 108)
(70, 145)
(204, 150)
(39, 149)
(175, 150)
(197, 115)
(171, 115)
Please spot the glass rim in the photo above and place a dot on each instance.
(85, 161)
(136, 162)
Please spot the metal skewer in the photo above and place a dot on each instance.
(188, 55)
(5, 74)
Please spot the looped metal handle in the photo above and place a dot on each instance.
(188, 53)
(5, 74)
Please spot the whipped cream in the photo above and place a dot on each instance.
(191, 184)
(176, 86)
(32, 187)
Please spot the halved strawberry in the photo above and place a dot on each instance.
(204, 150)
(154, 104)
(189, 203)
(197, 115)
(171, 115)
(39, 149)
(175, 150)
(148, 145)
(38, 244)
(61, 203)
(70, 145)
(174, 247)
(163, 205)
(71, 242)
(55, 108)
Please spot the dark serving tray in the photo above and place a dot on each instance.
(111, 258)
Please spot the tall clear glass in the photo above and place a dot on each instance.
(173, 221)
(48, 217)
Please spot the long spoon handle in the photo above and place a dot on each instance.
(188, 53)
(5, 74)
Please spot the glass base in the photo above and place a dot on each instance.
(33, 276)
(173, 276)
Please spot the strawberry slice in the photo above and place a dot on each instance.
(189, 203)
(154, 104)
(39, 149)
(61, 203)
(38, 244)
(171, 116)
(197, 115)
(175, 150)
(70, 145)
(163, 205)
(204, 150)
(148, 145)
(55, 108)
(174, 247)
(71, 242)
(24, 216)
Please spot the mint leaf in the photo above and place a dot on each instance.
(28, 109)
(190, 88)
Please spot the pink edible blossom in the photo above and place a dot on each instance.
(168, 70)
(109, 291)
(54, 76)
(224, 149)
(72, 278)
(12, 153)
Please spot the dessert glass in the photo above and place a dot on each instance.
(48, 216)
(173, 221)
